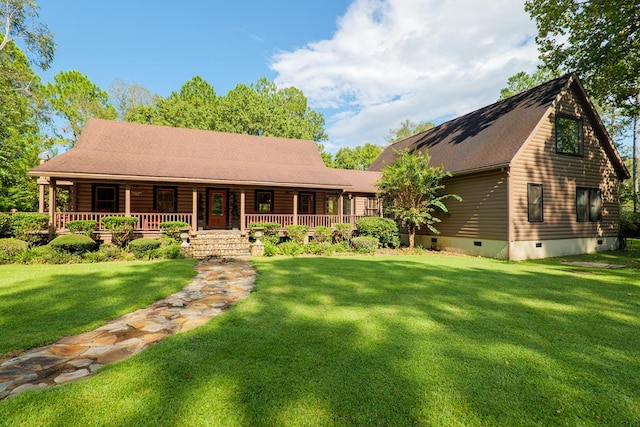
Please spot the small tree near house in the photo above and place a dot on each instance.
(411, 189)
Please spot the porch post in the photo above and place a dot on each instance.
(295, 208)
(127, 199)
(52, 204)
(341, 206)
(41, 200)
(243, 219)
(354, 211)
(194, 208)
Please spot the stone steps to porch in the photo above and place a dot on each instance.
(219, 244)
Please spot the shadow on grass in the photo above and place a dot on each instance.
(80, 297)
(406, 341)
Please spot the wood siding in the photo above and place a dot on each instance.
(560, 174)
(482, 214)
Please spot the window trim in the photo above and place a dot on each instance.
(593, 194)
(156, 188)
(530, 204)
(116, 189)
(579, 130)
(271, 198)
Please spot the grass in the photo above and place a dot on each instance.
(393, 340)
(41, 303)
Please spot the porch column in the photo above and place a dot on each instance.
(295, 208)
(127, 199)
(194, 208)
(42, 181)
(341, 206)
(243, 219)
(354, 210)
(52, 204)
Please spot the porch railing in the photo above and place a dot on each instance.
(146, 221)
(312, 221)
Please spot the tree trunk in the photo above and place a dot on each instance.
(635, 161)
(412, 236)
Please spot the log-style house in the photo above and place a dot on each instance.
(210, 180)
(538, 174)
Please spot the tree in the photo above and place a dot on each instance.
(411, 189)
(18, 21)
(406, 129)
(20, 138)
(75, 98)
(599, 40)
(359, 158)
(128, 97)
(522, 81)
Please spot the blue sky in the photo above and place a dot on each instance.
(365, 64)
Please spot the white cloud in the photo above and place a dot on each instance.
(391, 60)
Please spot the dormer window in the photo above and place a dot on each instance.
(568, 135)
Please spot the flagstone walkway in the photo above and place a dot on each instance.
(218, 284)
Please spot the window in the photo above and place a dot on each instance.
(373, 208)
(568, 135)
(307, 203)
(105, 198)
(165, 199)
(534, 203)
(588, 204)
(264, 201)
(346, 206)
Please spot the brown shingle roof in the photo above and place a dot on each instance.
(136, 151)
(491, 136)
(362, 181)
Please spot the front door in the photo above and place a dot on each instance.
(217, 210)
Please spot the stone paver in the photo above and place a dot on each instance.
(218, 285)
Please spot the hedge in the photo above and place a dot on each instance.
(384, 229)
(140, 247)
(86, 227)
(73, 243)
(121, 228)
(365, 244)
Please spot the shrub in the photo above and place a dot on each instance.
(106, 252)
(30, 227)
(140, 247)
(5, 224)
(365, 244)
(323, 234)
(629, 224)
(86, 227)
(73, 243)
(290, 248)
(11, 248)
(121, 228)
(47, 255)
(174, 229)
(270, 249)
(344, 231)
(270, 232)
(319, 248)
(170, 252)
(384, 229)
(297, 233)
(340, 247)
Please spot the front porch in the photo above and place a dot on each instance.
(150, 222)
(202, 207)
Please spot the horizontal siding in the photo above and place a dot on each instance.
(559, 175)
(482, 213)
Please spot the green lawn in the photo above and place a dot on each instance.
(393, 340)
(41, 303)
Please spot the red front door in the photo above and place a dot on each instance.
(217, 209)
